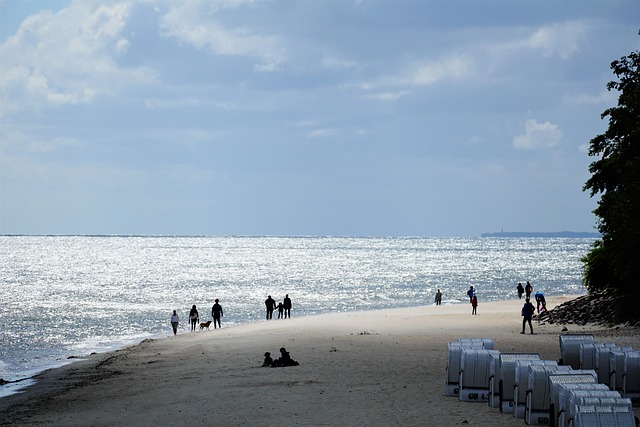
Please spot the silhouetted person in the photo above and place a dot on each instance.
(438, 297)
(284, 359)
(474, 305)
(271, 304)
(193, 317)
(280, 310)
(216, 313)
(528, 289)
(520, 290)
(267, 359)
(287, 306)
(527, 313)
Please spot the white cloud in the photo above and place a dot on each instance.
(447, 69)
(603, 97)
(66, 57)
(561, 40)
(538, 135)
(193, 23)
(389, 96)
(320, 133)
(336, 63)
(424, 74)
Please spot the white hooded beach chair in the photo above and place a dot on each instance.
(507, 366)
(631, 379)
(566, 393)
(570, 348)
(474, 374)
(605, 416)
(603, 362)
(556, 380)
(454, 357)
(593, 398)
(537, 400)
(588, 359)
(616, 367)
(521, 383)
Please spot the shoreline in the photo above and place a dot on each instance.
(355, 368)
(13, 381)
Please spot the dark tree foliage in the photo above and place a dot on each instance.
(614, 262)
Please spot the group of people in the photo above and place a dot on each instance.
(284, 311)
(284, 307)
(284, 360)
(527, 312)
(194, 317)
(524, 290)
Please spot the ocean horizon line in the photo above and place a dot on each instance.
(499, 234)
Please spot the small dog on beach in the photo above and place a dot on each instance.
(205, 325)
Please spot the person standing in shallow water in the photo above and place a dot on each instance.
(474, 305)
(175, 319)
(194, 318)
(270, 303)
(527, 313)
(216, 313)
(520, 290)
(287, 306)
(438, 297)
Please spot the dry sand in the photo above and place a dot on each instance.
(375, 368)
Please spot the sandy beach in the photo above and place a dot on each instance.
(370, 368)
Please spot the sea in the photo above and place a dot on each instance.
(64, 297)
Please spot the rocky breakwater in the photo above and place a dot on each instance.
(606, 308)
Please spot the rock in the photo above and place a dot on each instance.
(600, 309)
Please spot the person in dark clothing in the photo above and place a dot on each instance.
(474, 305)
(267, 359)
(287, 306)
(528, 289)
(470, 293)
(527, 313)
(280, 310)
(271, 304)
(216, 313)
(438, 297)
(193, 318)
(284, 359)
(520, 290)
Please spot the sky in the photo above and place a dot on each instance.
(314, 118)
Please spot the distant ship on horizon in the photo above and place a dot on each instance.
(571, 234)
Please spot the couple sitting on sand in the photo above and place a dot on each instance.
(284, 359)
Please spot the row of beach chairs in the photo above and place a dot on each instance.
(593, 384)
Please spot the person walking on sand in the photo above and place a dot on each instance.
(216, 313)
(520, 290)
(438, 297)
(194, 318)
(528, 289)
(287, 306)
(527, 313)
(271, 304)
(175, 319)
(474, 305)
